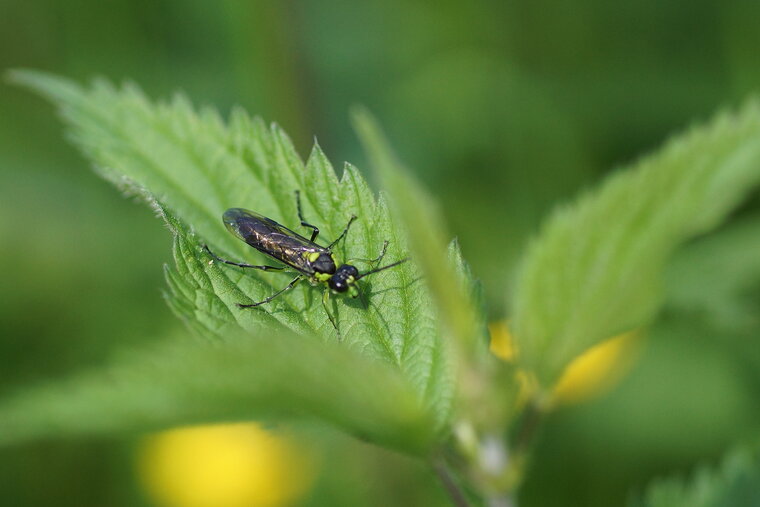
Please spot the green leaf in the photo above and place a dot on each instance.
(595, 268)
(453, 290)
(718, 275)
(277, 376)
(205, 295)
(426, 234)
(735, 483)
(196, 165)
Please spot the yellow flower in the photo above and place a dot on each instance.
(229, 465)
(502, 344)
(597, 370)
(591, 374)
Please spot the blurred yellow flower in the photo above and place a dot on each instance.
(502, 344)
(228, 465)
(591, 374)
(597, 370)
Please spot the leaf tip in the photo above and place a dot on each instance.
(47, 84)
(365, 125)
(19, 76)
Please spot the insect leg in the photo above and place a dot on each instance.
(325, 299)
(342, 234)
(376, 260)
(241, 264)
(314, 228)
(267, 300)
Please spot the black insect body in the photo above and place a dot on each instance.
(312, 261)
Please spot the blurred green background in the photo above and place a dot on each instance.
(503, 109)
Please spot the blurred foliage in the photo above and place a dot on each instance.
(505, 108)
(595, 268)
(734, 483)
(718, 275)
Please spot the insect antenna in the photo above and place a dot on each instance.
(372, 272)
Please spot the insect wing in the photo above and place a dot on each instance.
(271, 238)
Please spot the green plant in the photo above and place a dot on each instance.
(413, 371)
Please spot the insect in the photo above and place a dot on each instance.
(311, 261)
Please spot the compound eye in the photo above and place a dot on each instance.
(338, 284)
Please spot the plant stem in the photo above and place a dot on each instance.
(531, 421)
(444, 474)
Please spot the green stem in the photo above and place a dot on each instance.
(455, 492)
(531, 421)
(495, 468)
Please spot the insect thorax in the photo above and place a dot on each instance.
(322, 263)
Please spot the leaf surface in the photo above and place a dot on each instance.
(595, 269)
(192, 165)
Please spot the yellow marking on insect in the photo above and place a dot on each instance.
(311, 256)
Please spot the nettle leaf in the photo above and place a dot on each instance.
(735, 483)
(447, 276)
(273, 376)
(196, 165)
(595, 268)
(718, 276)
(453, 290)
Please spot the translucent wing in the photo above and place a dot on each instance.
(271, 238)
